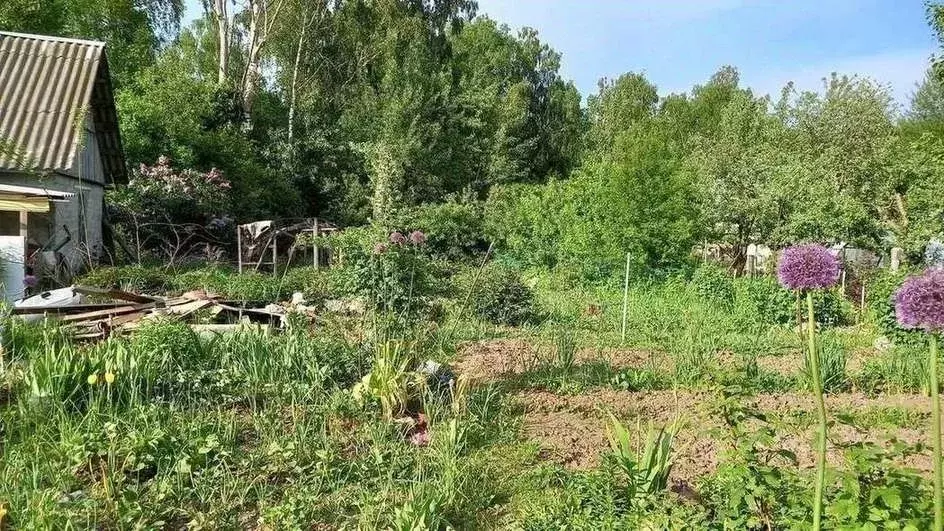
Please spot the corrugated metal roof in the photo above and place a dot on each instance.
(48, 87)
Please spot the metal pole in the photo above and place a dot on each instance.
(625, 300)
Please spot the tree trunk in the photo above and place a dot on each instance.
(294, 88)
(262, 17)
(223, 29)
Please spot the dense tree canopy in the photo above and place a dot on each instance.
(356, 110)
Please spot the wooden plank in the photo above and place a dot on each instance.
(114, 294)
(116, 320)
(187, 308)
(110, 312)
(258, 311)
(73, 308)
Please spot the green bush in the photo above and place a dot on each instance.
(713, 283)
(526, 222)
(773, 304)
(140, 279)
(396, 278)
(768, 300)
(454, 230)
(500, 296)
(880, 293)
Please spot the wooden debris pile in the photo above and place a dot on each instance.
(93, 313)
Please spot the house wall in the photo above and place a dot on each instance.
(78, 220)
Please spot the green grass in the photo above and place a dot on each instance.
(163, 429)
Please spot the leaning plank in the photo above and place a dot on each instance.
(117, 294)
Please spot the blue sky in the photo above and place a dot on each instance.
(679, 43)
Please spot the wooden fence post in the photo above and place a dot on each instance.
(315, 250)
(239, 248)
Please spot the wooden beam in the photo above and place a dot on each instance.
(24, 223)
(114, 294)
(66, 308)
(315, 245)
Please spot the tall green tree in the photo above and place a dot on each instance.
(133, 29)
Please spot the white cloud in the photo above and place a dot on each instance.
(899, 70)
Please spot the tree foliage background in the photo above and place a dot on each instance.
(374, 110)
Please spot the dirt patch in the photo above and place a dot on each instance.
(783, 402)
(628, 358)
(791, 363)
(497, 358)
(572, 429)
(500, 358)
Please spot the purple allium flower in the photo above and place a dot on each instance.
(30, 281)
(919, 302)
(417, 237)
(808, 267)
(380, 248)
(397, 238)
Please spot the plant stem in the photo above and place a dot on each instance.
(936, 435)
(820, 414)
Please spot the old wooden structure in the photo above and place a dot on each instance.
(59, 150)
(265, 245)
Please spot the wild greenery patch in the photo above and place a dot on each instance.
(499, 295)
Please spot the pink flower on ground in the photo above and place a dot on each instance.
(417, 237)
(397, 238)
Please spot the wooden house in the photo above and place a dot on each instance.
(59, 151)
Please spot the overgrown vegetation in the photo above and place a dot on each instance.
(470, 358)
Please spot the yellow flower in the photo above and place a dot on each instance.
(93, 379)
(3, 513)
(109, 378)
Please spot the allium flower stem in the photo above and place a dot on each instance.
(936, 435)
(820, 414)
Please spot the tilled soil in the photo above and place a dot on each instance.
(571, 429)
(500, 358)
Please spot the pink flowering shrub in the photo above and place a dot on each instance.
(162, 202)
(182, 195)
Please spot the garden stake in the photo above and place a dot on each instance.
(625, 300)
